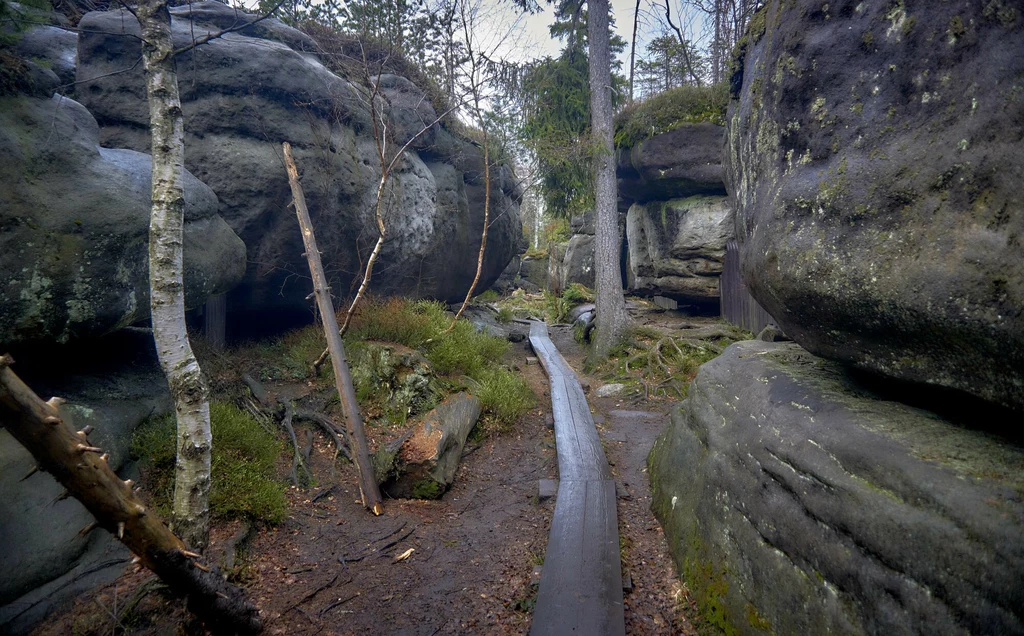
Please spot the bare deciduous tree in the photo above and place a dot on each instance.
(191, 508)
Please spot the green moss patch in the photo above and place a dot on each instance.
(669, 110)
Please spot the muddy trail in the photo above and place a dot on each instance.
(466, 563)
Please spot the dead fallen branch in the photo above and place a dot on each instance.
(328, 426)
(340, 601)
(368, 487)
(82, 469)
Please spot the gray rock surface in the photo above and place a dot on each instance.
(75, 219)
(583, 223)
(534, 270)
(242, 96)
(39, 533)
(54, 47)
(798, 502)
(412, 114)
(677, 247)
(683, 162)
(876, 151)
(578, 262)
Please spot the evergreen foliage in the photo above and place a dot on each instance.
(556, 117)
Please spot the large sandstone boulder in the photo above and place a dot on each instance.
(46, 560)
(74, 248)
(683, 162)
(578, 262)
(796, 501)
(875, 152)
(677, 247)
(245, 93)
(52, 46)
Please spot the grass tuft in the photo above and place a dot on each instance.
(243, 465)
(504, 395)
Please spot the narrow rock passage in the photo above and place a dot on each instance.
(581, 584)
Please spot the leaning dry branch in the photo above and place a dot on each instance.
(343, 379)
(83, 470)
(380, 134)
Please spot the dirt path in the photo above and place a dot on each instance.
(331, 567)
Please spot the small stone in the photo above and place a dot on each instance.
(608, 390)
(535, 577)
(772, 333)
(532, 360)
(549, 420)
(547, 488)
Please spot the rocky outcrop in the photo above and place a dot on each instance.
(677, 218)
(246, 92)
(75, 218)
(797, 501)
(677, 247)
(875, 152)
(578, 262)
(535, 271)
(683, 162)
(52, 46)
(46, 560)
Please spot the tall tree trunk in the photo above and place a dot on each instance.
(368, 487)
(83, 470)
(191, 510)
(612, 320)
(632, 50)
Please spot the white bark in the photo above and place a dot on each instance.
(612, 320)
(191, 511)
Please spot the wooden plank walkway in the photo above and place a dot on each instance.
(581, 583)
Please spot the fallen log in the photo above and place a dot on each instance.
(424, 460)
(82, 469)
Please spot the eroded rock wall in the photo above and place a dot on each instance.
(875, 152)
(246, 92)
(798, 501)
(677, 217)
(74, 257)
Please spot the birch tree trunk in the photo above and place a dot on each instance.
(612, 320)
(191, 510)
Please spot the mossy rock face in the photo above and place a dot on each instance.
(677, 247)
(875, 151)
(797, 501)
(75, 224)
(241, 95)
(682, 162)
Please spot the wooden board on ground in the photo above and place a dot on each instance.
(581, 584)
